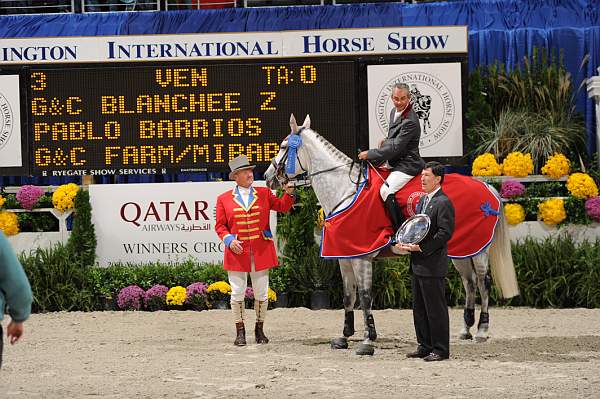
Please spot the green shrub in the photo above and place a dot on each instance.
(82, 241)
(58, 280)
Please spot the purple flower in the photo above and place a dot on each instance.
(29, 195)
(196, 290)
(512, 189)
(196, 295)
(249, 293)
(130, 298)
(155, 298)
(592, 208)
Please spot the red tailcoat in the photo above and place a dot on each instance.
(251, 226)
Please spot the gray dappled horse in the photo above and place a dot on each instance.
(334, 182)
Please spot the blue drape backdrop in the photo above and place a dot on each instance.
(499, 30)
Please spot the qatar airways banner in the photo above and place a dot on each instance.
(254, 45)
(166, 222)
(435, 96)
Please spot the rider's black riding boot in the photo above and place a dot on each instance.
(394, 212)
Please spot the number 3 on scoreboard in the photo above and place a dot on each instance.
(265, 104)
(38, 81)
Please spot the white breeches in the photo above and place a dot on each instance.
(239, 283)
(395, 181)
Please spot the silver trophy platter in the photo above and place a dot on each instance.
(414, 229)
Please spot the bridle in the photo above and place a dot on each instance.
(287, 166)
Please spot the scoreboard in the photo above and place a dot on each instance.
(194, 117)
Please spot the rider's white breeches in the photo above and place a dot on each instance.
(395, 181)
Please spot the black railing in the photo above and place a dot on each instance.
(11, 7)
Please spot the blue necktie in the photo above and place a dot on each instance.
(425, 202)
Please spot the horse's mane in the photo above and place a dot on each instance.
(330, 148)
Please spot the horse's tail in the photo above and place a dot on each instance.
(501, 261)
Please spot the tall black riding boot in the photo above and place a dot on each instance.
(394, 212)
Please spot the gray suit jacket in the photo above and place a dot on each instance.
(401, 148)
(433, 260)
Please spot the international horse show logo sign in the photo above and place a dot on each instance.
(435, 95)
(10, 122)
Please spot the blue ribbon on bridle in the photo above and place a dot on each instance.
(294, 142)
(488, 210)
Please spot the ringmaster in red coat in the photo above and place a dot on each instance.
(243, 225)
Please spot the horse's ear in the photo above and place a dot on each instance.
(293, 124)
(306, 123)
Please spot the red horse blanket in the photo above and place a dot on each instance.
(364, 227)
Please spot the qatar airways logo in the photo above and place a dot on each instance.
(167, 215)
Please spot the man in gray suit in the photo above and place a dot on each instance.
(400, 150)
(429, 266)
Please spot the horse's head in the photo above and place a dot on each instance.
(289, 161)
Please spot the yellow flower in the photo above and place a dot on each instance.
(176, 295)
(219, 286)
(517, 164)
(9, 223)
(271, 295)
(2, 201)
(552, 211)
(64, 196)
(557, 166)
(320, 218)
(581, 185)
(486, 165)
(515, 213)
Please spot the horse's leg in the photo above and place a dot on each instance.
(484, 282)
(349, 299)
(363, 273)
(467, 274)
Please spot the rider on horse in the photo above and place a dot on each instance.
(400, 149)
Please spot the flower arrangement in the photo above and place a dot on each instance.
(517, 164)
(64, 196)
(271, 295)
(130, 298)
(29, 195)
(581, 185)
(196, 295)
(592, 208)
(556, 166)
(176, 296)
(155, 298)
(2, 201)
(219, 290)
(552, 211)
(515, 213)
(9, 223)
(486, 165)
(512, 189)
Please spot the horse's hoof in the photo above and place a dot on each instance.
(481, 339)
(465, 336)
(339, 343)
(365, 349)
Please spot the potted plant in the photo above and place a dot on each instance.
(196, 296)
(219, 295)
(176, 297)
(130, 298)
(156, 297)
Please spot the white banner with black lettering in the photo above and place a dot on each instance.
(10, 122)
(158, 222)
(282, 44)
(436, 97)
